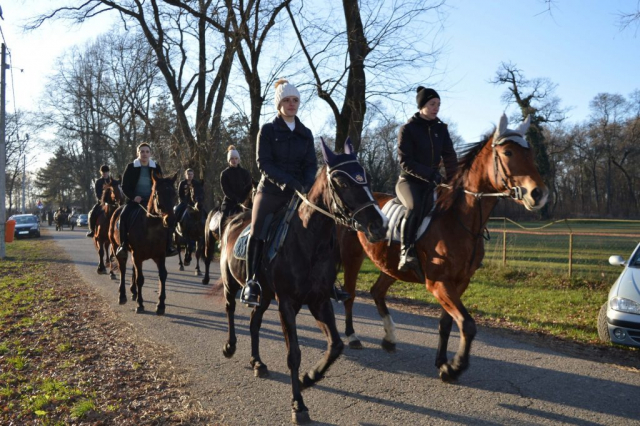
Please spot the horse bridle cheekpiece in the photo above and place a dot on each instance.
(501, 136)
(346, 165)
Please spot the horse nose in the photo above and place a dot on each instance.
(536, 194)
(539, 195)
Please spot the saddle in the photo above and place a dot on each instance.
(395, 212)
(277, 227)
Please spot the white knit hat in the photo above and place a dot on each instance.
(283, 90)
(232, 152)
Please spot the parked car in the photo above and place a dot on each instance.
(27, 225)
(83, 220)
(619, 317)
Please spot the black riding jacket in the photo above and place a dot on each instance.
(131, 176)
(421, 145)
(236, 185)
(284, 155)
(183, 191)
(98, 188)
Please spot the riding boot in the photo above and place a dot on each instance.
(171, 249)
(252, 291)
(408, 257)
(121, 253)
(92, 221)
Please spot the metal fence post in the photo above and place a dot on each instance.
(504, 248)
(570, 254)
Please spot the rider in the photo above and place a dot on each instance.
(286, 158)
(183, 193)
(236, 185)
(137, 186)
(93, 214)
(422, 143)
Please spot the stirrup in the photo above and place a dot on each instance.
(248, 297)
(340, 295)
(90, 234)
(408, 262)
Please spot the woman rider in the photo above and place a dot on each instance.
(286, 159)
(236, 185)
(93, 214)
(137, 185)
(422, 143)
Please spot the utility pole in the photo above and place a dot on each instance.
(3, 158)
(24, 175)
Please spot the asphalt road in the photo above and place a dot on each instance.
(508, 382)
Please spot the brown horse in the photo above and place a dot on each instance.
(61, 218)
(500, 166)
(190, 230)
(112, 198)
(212, 228)
(304, 270)
(147, 239)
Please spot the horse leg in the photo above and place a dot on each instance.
(379, 293)
(230, 289)
(139, 281)
(444, 330)
(122, 266)
(352, 258)
(180, 256)
(198, 256)
(325, 317)
(162, 273)
(299, 412)
(102, 269)
(134, 284)
(450, 301)
(208, 257)
(187, 252)
(255, 323)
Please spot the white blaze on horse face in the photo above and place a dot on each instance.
(385, 219)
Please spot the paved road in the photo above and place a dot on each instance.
(509, 382)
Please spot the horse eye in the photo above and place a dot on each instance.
(508, 153)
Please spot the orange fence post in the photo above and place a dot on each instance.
(9, 230)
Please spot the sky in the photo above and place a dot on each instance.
(577, 45)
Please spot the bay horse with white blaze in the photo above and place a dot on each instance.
(304, 270)
(500, 166)
(148, 229)
(112, 198)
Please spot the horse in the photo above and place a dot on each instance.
(60, 219)
(304, 270)
(112, 198)
(212, 228)
(147, 239)
(190, 230)
(502, 165)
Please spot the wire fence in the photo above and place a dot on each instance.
(573, 247)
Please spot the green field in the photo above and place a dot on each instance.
(533, 292)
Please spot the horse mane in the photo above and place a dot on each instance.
(447, 196)
(104, 199)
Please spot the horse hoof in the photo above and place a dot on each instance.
(140, 310)
(112, 276)
(101, 271)
(228, 350)
(306, 381)
(355, 344)
(260, 370)
(300, 417)
(447, 373)
(388, 346)
(181, 268)
(160, 310)
(205, 281)
(122, 300)
(197, 273)
(187, 263)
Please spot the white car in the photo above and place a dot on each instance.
(619, 317)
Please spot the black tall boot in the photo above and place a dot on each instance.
(92, 220)
(171, 249)
(408, 257)
(121, 253)
(252, 291)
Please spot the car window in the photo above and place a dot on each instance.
(635, 260)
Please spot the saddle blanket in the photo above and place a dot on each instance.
(395, 212)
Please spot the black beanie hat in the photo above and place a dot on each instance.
(104, 168)
(424, 95)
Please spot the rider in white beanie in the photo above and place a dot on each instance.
(284, 89)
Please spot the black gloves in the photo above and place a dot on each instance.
(295, 186)
(436, 177)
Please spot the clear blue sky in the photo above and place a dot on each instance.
(578, 46)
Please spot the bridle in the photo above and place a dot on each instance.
(339, 212)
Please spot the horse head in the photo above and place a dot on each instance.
(163, 196)
(196, 193)
(112, 192)
(349, 196)
(514, 167)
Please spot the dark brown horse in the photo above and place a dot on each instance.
(112, 198)
(305, 268)
(148, 230)
(212, 228)
(190, 230)
(500, 166)
(61, 218)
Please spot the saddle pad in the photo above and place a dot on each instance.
(240, 248)
(395, 211)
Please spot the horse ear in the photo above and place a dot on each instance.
(155, 176)
(502, 127)
(348, 147)
(327, 153)
(524, 126)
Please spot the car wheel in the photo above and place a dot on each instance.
(603, 328)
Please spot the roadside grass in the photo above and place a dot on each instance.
(536, 302)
